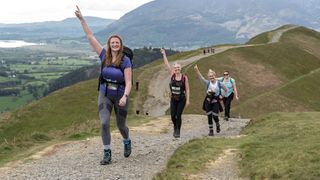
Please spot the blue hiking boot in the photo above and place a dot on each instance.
(127, 148)
(106, 157)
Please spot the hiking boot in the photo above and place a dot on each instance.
(177, 133)
(106, 157)
(211, 132)
(127, 148)
(226, 118)
(218, 127)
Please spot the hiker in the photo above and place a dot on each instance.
(230, 84)
(211, 101)
(180, 93)
(114, 88)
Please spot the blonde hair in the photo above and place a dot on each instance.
(211, 71)
(176, 64)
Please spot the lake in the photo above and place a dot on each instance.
(16, 43)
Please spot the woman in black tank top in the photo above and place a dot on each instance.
(180, 93)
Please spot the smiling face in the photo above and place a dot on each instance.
(115, 44)
(177, 68)
(226, 74)
(211, 75)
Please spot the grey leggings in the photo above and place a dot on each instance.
(105, 105)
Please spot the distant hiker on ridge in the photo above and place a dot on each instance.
(114, 88)
(211, 101)
(180, 93)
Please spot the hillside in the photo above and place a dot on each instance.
(67, 28)
(193, 24)
(67, 114)
(271, 77)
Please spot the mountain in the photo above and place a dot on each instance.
(68, 28)
(187, 24)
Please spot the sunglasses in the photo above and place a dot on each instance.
(225, 74)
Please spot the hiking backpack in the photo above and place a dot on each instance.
(126, 52)
(219, 86)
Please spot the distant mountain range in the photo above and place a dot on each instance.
(68, 28)
(188, 23)
(182, 24)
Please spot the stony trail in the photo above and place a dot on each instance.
(153, 144)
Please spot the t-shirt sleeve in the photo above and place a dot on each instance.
(102, 54)
(126, 63)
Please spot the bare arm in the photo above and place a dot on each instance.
(187, 91)
(93, 41)
(127, 90)
(235, 90)
(201, 78)
(165, 59)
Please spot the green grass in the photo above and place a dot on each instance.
(143, 74)
(282, 146)
(70, 113)
(4, 79)
(259, 70)
(266, 37)
(193, 156)
(67, 114)
(14, 102)
(277, 146)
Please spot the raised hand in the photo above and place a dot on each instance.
(78, 13)
(163, 51)
(196, 67)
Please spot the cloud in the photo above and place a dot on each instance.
(18, 11)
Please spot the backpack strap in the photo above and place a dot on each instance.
(219, 86)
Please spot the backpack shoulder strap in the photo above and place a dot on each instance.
(219, 86)
(208, 84)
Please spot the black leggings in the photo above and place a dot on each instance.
(176, 108)
(212, 110)
(227, 105)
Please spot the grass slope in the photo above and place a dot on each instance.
(261, 70)
(68, 114)
(276, 146)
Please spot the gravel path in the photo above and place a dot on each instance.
(153, 144)
(276, 37)
(158, 91)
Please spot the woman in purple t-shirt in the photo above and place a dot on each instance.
(114, 89)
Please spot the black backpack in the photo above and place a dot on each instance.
(126, 52)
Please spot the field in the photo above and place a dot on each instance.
(25, 72)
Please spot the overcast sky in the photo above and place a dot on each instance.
(21, 11)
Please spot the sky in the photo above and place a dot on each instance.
(25, 11)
